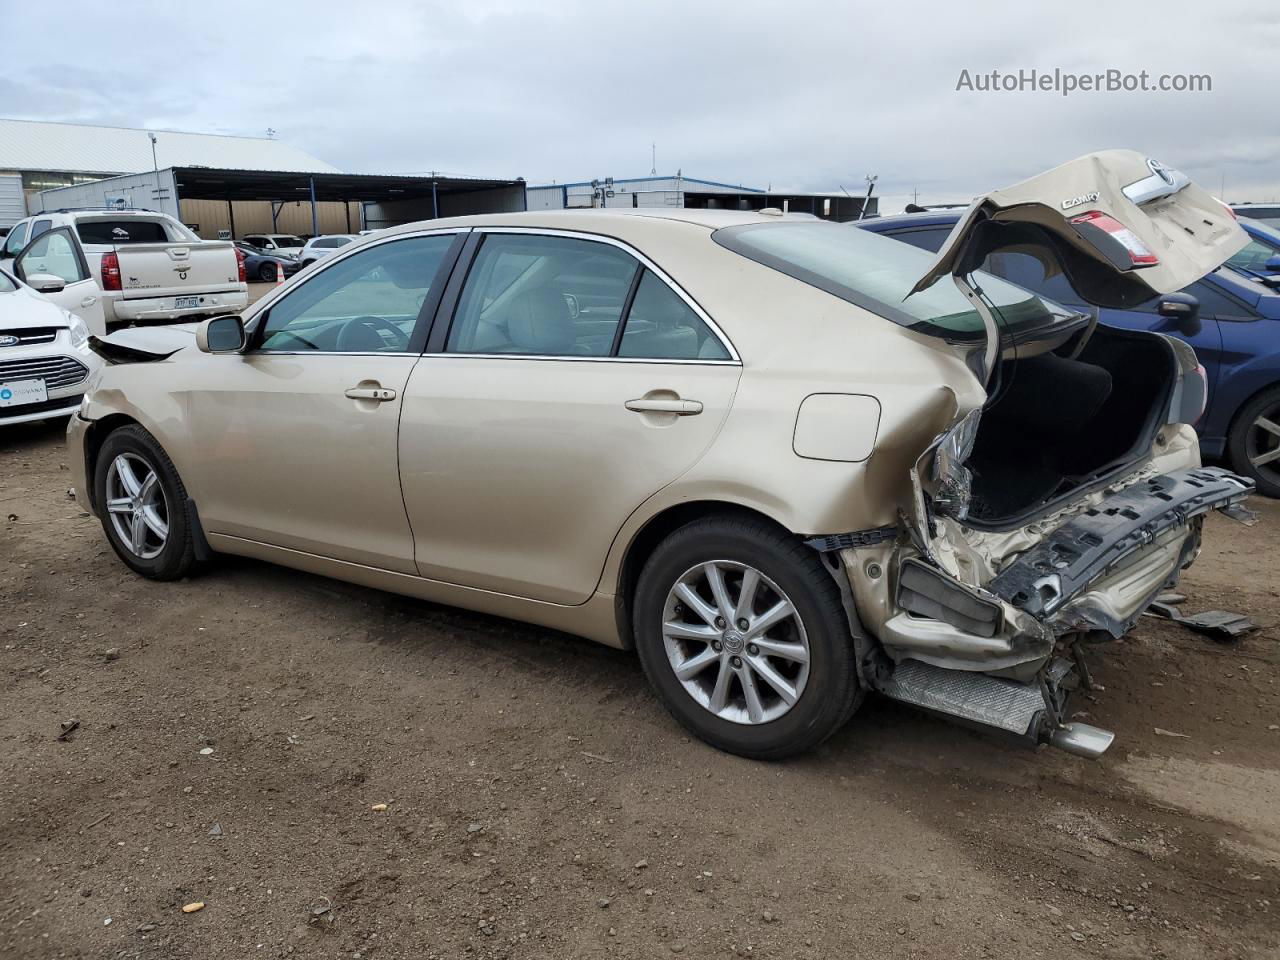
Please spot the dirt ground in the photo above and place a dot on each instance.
(237, 730)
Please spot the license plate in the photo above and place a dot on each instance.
(14, 393)
(181, 303)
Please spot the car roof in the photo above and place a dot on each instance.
(621, 223)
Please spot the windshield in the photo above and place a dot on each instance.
(6, 285)
(876, 273)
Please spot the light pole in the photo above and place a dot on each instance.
(155, 166)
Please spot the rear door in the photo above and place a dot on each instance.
(536, 423)
(58, 253)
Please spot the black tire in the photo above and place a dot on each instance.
(1243, 442)
(831, 693)
(267, 272)
(177, 557)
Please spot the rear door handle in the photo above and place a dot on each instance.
(88, 301)
(380, 394)
(681, 408)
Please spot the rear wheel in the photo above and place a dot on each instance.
(267, 273)
(1254, 444)
(743, 634)
(143, 505)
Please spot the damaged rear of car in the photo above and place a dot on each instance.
(1067, 493)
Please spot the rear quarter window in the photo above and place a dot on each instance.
(116, 232)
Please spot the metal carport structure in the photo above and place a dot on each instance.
(385, 200)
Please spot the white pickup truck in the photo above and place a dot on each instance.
(149, 266)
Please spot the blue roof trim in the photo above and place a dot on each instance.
(709, 183)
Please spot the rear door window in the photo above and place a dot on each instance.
(542, 295)
(120, 232)
(660, 325)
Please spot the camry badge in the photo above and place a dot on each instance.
(8, 341)
(1076, 201)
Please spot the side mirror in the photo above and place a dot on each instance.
(221, 335)
(1181, 312)
(1273, 264)
(46, 283)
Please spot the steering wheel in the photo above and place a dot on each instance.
(361, 334)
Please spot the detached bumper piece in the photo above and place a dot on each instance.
(1085, 548)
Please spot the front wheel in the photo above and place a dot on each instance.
(1253, 446)
(143, 505)
(267, 273)
(743, 634)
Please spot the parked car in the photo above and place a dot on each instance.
(276, 244)
(786, 460)
(263, 267)
(317, 248)
(45, 361)
(147, 265)
(1232, 322)
(1261, 258)
(1265, 212)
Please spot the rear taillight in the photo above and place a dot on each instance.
(240, 264)
(1140, 254)
(110, 272)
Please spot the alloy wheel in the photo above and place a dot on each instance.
(1262, 443)
(735, 642)
(137, 506)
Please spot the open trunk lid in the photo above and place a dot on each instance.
(1123, 227)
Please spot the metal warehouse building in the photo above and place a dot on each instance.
(693, 193)
(220, 185)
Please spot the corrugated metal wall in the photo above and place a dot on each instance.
(495, 200)
(254, 216)
(13, 205)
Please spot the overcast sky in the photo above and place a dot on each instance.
(800, 95)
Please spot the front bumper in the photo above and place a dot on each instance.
(166, 308)
(77, 461)
(49, 410)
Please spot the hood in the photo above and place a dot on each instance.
(25, 307)
(1123, 227)
(166, 339)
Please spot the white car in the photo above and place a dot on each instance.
(45, 361)
(276, 244)
(317, 248)
(147, 265)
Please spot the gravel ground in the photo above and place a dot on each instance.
(239, 733)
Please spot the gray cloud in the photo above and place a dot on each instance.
(803, 96)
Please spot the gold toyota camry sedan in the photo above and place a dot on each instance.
(787, 461)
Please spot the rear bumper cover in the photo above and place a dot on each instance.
(1096, 570)
(165, 308)
(1043, 580)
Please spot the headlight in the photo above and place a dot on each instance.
(79, 331)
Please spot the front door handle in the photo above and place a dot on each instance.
(380, 394)
(681, 408)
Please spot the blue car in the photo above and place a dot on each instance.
(1261, 258)
(1231, 319)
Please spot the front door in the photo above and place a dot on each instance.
(58, 253)
(574, 383)
(298, 433)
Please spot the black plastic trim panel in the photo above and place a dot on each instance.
(1083, 549)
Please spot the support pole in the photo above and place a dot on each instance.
(315, 216)
(435, 203)
(231, 217)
